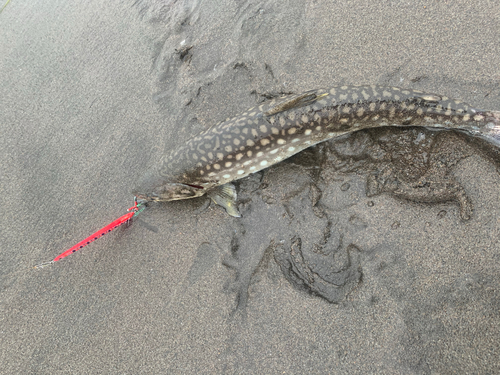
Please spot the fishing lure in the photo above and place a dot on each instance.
(131, 212)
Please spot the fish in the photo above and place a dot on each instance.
(275, 130)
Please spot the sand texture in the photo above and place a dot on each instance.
(372, 254)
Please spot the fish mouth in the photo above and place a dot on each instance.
(147, 197)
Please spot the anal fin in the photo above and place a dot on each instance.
(225, 196)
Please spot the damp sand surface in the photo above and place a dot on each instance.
(372, 254)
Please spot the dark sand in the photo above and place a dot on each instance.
(92, 93)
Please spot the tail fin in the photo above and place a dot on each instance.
(490, 131)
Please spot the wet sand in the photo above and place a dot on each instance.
(91, 94)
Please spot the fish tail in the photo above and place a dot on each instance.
(490, 130)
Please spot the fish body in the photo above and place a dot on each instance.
(273, 131)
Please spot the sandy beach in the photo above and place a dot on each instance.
(330, 270)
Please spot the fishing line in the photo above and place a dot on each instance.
(8, 1)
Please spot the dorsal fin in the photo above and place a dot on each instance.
(297, 102)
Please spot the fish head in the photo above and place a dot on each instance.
(158, 189)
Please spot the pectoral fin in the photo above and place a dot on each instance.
(225, 196)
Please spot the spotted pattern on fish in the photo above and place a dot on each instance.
(273, 131)
(263, 136)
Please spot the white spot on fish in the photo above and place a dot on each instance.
(263, 162)
(308, 131)
(430, 98)
(228, 164)
(226, 176)
(252, 167)
(295, 140)
(281, 141)
(274, 151)
(241, 171)
(259, 154)
(291, 149)
(263, 128)
(265, 142)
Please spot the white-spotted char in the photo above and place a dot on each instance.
(273, 131)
